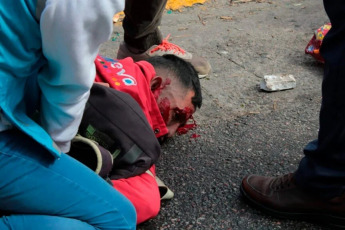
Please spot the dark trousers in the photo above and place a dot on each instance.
(322, 170)
(142, 18)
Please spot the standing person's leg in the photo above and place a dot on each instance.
(143, 39)
(322, 170)
(316, 190)
(40, 192)
(141, 23)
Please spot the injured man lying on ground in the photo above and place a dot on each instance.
(133, 107)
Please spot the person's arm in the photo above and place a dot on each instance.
(72, 32)
(142, 191)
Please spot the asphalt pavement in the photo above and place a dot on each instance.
(241, 129)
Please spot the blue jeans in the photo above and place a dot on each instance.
(322, 170)
(38, 191)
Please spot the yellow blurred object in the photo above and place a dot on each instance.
(171, 5)
(118, 17)
(178, 4)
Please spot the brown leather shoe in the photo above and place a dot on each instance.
(280, 197)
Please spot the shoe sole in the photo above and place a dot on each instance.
(336, 222)
(124, 52)
(201, 76)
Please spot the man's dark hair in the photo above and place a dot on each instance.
(184, 72)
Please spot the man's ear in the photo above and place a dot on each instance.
(155, 83)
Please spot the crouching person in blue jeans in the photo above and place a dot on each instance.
(47, 53)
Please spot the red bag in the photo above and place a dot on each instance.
(314, 45)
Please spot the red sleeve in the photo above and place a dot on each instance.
(143, 192)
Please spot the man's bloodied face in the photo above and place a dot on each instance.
(175, 104)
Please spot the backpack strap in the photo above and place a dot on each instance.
(39, 8)
(164, 191)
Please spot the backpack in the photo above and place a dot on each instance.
(116, 122)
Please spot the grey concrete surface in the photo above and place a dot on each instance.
(242, 130)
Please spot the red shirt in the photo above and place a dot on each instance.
(133, 78)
